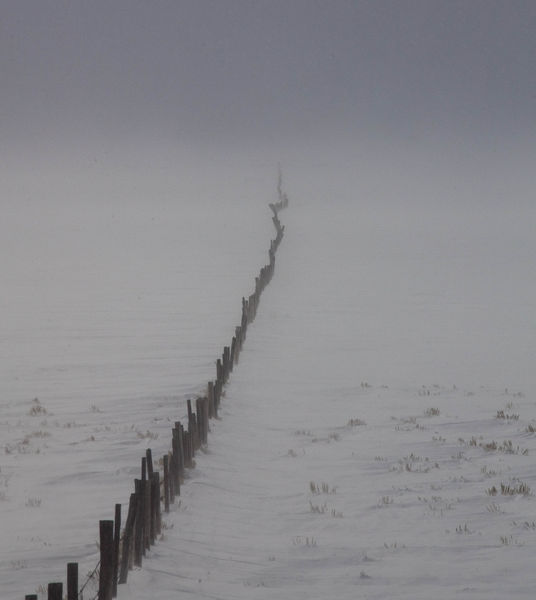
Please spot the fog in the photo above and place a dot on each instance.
(140, 144)
(424, 255)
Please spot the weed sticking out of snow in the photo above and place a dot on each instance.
(37, 409)
(385, 501)
(318, 509)
(414, 464)
(509, 540)
(148, 435)
(33, 502)
(520, 488)
(393, 545)
(308, 541)
(507, 417)
(505, 447)
(323, 488)
(488, 472)
(432, 412)
(464, 529)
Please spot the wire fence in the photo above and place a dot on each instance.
(122, 549)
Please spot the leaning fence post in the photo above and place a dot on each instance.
(72, 581)
(117, 537)
(225, 360)
(175, 471)
(149, 457)
(217, 392)
(205, 419)
(219, 370)
(106, 529)
(147, 516)
(233, 352)
(181, 457)
(138, 533)
(210, 394)
(166, 482)
(128, 539)
(200, 425)
(156, 504)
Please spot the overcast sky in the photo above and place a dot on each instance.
(263, 70)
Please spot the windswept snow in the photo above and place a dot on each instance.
(361, 436)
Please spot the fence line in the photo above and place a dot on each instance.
(119, 553)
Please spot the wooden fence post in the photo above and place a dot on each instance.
(181, 451)
(138, 532)
(192, 425)
(156, 504)
(128, 539)
(117, 538)
(225, 361)
(200, 420)
(166, 482)
(175, 475)
(147, 516)
(210, 395)
(106, 530)
(233, 353)
(171, 480)
(205, 419)
(217, 392)
(55, 591)
(72, 581)
(219, 371)
(149, 457)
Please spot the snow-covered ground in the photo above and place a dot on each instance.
(360, 440)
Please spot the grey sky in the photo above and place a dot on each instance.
(265, 69)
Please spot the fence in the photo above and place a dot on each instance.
(120, 553)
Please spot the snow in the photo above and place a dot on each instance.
(354, 453)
